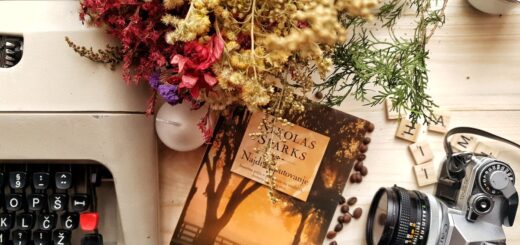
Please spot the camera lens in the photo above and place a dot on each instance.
(398, 216)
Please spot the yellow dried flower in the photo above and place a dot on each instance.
(196, 23)
(172, 4)
(357, 7)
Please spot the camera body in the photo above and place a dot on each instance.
(474, 206)
(475, 197)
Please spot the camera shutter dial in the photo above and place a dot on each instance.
(495, 177)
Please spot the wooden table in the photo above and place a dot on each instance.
(475, 74)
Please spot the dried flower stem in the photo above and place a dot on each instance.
(253, 56)
(270, 161)
(112, 55)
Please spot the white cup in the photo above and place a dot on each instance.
(495, 6)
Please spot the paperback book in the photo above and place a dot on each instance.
(228, 202)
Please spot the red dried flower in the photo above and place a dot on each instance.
(137, 24)
(194, 64)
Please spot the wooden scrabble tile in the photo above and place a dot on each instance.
(392, 114)
(421, 152)
(463, 142)
(425, 174)
(408, 131)
(440, 122)
(486, 149)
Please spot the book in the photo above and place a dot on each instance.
(228, 202)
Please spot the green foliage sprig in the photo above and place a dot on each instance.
(395, 67)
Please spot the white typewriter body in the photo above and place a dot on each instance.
(56, 105)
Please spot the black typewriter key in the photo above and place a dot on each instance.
(21, 237)
(63, 180)
(36, 202)
(6, 221)
(70, 221)
(25, 221)
(58, 202)
(80, 202)
(4, 237)
(61, 237)
(2, 181)
(92, 239)
(41, 180)
(47, 222)
(41, 237)
(17, 180)
(13, 202)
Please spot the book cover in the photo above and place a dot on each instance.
(224, 207)
(298, 151)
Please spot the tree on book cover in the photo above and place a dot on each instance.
(227, 208)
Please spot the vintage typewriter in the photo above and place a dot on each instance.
(78, 159)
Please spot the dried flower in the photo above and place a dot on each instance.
(194, 63)
(169, 93)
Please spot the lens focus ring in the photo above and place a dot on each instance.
(404, 217)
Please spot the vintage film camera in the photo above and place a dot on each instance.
(475, 197)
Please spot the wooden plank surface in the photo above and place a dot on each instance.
(475, 74)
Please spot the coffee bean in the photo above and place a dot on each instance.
(363, 148)
(358, 166)
(359, 178)
(338, 227)
(351, 201)
(331, 234)
(364, 171)
(357, 213)
(361, 157)
(340, 219)
(347, 218)
(333, 243)
(367, 140)
(353, 178)
(318, 95)
(370, 127)
(344, 209)
(341, 200)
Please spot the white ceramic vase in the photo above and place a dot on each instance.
(495, 6)
(177, 127)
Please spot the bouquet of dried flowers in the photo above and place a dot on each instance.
(223, 53)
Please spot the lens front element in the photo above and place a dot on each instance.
(380, 216)
(398, 216)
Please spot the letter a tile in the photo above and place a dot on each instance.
(439, 123)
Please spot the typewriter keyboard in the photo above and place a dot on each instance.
(46, 203)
